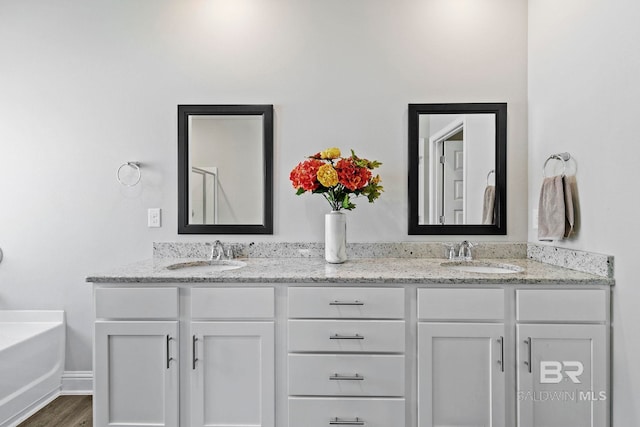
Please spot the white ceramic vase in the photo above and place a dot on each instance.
(335, 237)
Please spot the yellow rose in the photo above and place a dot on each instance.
(330, 153)
(327, 175)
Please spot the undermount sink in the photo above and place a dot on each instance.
(208, 266)
(482, 267)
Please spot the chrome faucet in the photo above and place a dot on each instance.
(464, 250)
(217, 251)
(460, 252)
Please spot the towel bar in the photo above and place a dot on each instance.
(123, 179)
(489, 174)
(564, 157)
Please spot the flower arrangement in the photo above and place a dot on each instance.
(337, 178)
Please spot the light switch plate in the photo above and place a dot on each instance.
(153, 217)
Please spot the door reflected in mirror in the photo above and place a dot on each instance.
(457, 165)
(456, 153)
(225, 162)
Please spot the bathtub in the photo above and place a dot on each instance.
(32, 346)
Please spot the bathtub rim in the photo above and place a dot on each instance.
(50, 388)
(32, 316)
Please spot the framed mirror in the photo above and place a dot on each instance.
(225, 169)
(458, 168)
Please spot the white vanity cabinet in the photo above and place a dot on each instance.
(461, 357)
(562, 358)
(135, 357)
(346, 361)
(551, 342)
(220, 371)
(232, 357)
(337, 354)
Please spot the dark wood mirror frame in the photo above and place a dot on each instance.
(500, 111)
(184, 111)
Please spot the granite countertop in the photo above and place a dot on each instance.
(359, 270)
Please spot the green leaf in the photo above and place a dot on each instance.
(374, 164)
(300, 191)
(364, 163)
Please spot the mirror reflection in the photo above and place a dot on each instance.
(225, 162)
(456, 164)
(457, 168)
(226, 155)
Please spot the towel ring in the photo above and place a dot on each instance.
(489, 174)
(564, 157)
(133, 165)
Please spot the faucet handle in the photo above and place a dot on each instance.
(217, 251)
(450, 251)
(465, 249)
(212, 254)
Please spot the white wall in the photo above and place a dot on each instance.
(88, 85)
(584, 64)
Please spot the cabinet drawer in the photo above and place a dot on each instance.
(347, 336)
(460, 304)
(346, 412)
(561, 305)
(232, 303)
(136, 303)
(346, 375)
(345, 303)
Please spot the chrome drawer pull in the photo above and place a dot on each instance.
(194, 358)
(169, 358)
(528, 361)
(501, 361)
(346, 337)
(354, 377)
(336, 302)
(344, 422)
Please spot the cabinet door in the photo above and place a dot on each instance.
(136, 374)
(562, 376)
(461, 380)
(232, 382)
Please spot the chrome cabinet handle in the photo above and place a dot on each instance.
(344, 422)
(355, 302)
(194, 359)
(169, 358)
(354, 377)
(528, 361)
(346, 337)
(501, 361)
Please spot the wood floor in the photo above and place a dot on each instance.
(64, 411)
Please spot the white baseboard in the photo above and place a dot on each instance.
(73, 382)
(77, 382)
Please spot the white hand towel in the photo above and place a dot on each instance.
(551, 209)
(488, 212)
